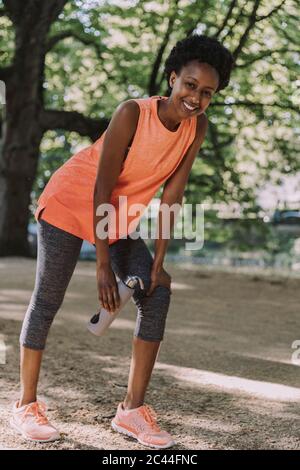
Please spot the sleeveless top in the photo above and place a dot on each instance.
(155, 153)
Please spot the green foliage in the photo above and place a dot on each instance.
(7, 40)
(108, 57)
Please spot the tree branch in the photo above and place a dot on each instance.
(260, 18)
(226, 19)
(16, 9)
(253, 105)
(152, 82)
(58, 37)
(251, 23)
(290, 38)
(54, 8)
(236, 22)
(266, 54)
(187, 33)
(204, 6)
(73, 121)
(83, 38)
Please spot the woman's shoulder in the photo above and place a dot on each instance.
(128, 112)
(130, 107)
(136, 104)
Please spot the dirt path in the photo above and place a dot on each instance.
(223, 380)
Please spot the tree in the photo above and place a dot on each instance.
(68, 64)
(26, 118)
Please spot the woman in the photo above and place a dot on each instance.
(149, 142)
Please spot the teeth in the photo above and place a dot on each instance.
(189, 107)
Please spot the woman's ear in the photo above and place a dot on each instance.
(172, 79)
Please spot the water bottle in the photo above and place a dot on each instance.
(101, 321)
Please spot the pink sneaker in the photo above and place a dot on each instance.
(140, 423)
(31, 422)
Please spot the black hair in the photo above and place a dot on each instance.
(204, 49)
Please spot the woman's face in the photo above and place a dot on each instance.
(193, 89)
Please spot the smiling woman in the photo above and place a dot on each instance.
(202, 49)
(163, 135)
(196, 69)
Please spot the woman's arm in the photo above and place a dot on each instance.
(119, 134)
(173, 193)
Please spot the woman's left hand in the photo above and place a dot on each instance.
(159, 277)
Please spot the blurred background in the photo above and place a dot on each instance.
(66, 65)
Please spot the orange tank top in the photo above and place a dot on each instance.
(155, 153)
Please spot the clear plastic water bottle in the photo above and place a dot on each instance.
(100, 322)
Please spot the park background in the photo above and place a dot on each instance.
(66, 65)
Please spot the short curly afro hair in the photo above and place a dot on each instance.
(204, 49)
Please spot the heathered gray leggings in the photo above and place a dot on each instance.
(58, 253)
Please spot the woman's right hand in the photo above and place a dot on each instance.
(107, 288)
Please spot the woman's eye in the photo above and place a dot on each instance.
(207, 93)
(190, 84)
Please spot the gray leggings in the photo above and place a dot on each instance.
(58, 253)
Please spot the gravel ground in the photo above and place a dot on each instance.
(224, 378)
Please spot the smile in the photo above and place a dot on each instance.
(189, 107)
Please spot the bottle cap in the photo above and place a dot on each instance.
(132, 281)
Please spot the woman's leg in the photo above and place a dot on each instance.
(144, 354)
(133, 257)
(57, 256)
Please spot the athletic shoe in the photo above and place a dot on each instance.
(140, 423)
(31, 422)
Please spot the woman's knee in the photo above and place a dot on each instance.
(152, 314)
(160, 297)
(162, 294)
(46, 303)
(37, 321)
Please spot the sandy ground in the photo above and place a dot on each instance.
(224, 378)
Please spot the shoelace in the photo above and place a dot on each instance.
(38, 410)
(150, 417)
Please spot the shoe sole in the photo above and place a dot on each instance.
(15, 427)
(130, 434)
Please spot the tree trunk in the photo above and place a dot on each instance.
(26, 119)
(22, 134)
(18, 166)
